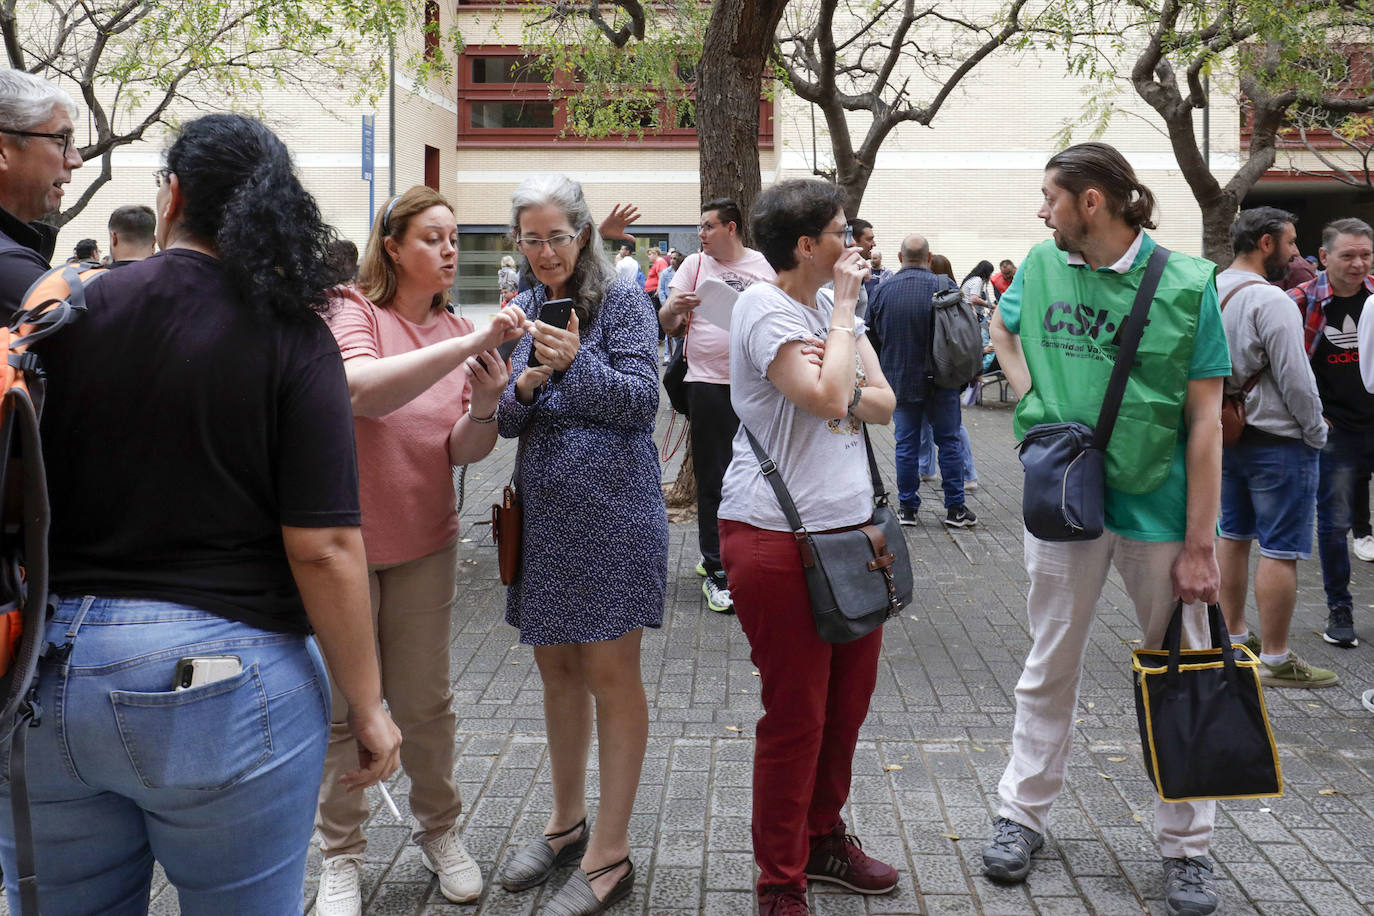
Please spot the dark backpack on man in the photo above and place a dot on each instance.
(956, 340)
(54, 300)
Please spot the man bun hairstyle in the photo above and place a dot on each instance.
(1254, 224)
(789, 210)
(726, 210)
(241, 196)
(1100, 166)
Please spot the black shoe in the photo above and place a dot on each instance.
(960, 517)
(1007, 855)
(1190, 889)
(1340, 628)
(907, 516)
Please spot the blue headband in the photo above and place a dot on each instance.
(386, 217)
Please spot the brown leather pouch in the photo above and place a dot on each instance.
(507, 523)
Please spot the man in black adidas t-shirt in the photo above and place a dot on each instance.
(1331, 304)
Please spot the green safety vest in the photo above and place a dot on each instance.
(1071, 323)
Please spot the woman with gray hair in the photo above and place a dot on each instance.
(594, 565)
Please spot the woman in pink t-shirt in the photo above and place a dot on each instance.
(424, 387)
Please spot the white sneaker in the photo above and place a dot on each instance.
(460, 879)
(340, 892)
(1364, 548)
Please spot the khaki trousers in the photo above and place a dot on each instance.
(1066, 579)
(411, 606)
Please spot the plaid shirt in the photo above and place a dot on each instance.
(1313, 297)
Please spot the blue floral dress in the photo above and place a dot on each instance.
(594, 563)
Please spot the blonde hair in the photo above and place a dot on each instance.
(507, 261)
(377, 272)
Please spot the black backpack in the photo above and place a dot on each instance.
(956, 340)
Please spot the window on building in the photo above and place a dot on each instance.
(479, 258)
(504, 96)
(432, 167)
(1351, 68)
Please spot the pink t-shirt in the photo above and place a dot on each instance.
(405, 478)
(708, 347)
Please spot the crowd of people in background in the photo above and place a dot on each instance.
(273, 494)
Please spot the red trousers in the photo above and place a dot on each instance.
(815, 697)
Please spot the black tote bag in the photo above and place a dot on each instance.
(1203, 724)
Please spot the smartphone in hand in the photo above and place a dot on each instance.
(555, 313)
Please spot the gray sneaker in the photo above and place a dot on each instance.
(1190, 889)
(1007, 855)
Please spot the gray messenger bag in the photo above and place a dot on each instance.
(857, 577)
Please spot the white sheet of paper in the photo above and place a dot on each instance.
(717, 302)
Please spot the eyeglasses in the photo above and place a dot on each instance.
(532, 246)
(846, 234)
(160, 176)
(708, 226)
(65, 136)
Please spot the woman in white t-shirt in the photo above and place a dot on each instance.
(803, 380)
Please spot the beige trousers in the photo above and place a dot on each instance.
(1066, 580)
(411, 605)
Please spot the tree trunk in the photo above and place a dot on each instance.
(854, 180)
(739, 39)
(1217, 216)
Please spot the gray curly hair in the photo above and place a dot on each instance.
(592, 273)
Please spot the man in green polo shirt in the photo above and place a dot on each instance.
(1057, 331)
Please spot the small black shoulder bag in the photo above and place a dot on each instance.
(1065, 492)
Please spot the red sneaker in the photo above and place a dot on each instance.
(839, 858)
(783, 900)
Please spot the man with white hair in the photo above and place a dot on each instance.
(37, 156)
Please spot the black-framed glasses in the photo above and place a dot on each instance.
(532, 246)
(160, 176)
(846, 234)
(65, 136)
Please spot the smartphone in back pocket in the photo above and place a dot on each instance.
(198, 670)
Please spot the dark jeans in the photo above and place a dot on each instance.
(712, 431)
(1345, 455)
(1360, 526)
(941, 408)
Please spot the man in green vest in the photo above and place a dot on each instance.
(1057, 331)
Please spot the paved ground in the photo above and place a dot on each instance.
(930, 754)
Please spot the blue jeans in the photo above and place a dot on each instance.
(1268, 493)
(217, 783)
(930, 458)
(1345, 453)
(941, 408)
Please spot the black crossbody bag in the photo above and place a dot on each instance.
(1065, 491)
(857, 577)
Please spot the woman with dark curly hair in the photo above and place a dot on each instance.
(803, 379)
(205, 519)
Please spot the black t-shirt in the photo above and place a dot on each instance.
(1336, 364)
(182, 429)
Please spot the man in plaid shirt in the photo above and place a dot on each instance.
(1332, 304)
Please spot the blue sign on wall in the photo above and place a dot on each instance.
(369, 144)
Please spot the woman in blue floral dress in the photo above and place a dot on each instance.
(594, 565)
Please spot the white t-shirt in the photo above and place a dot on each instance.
(708, 347)
(822, 462)
(627, 268)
